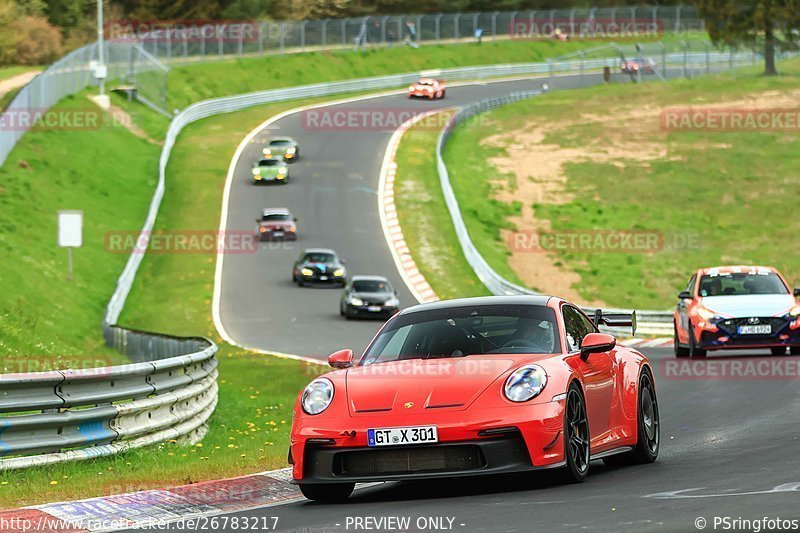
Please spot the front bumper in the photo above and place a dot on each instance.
(323, 279)
(278, 235)
(269, 179)
(486, 441)
(371, 311)
(724, 334)
(499, 455)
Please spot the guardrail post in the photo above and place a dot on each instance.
(383, 28)
(663, 60)
(475, 21)
(240, 49)
(591, 17)
(324, 42)
(282, 35)
(614, 15)
(708, 57)
(220, 44)
(685, 58)
(261, 37)
(511, 21)
(655, 18)
(494, 25)
(571, 22)
(169, 46)
(456, 34)
(436, 21)
(678, 18)
(202, 44)
(303, 34)
(343, 25)
(185, 46)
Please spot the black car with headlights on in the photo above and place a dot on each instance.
(319, 266)
(369, 297)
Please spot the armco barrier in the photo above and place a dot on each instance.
(49, 417)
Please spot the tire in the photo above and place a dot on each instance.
(680, 351)
(341, 309)
(328, 492)
(443, 93)
(694, 351)
(576, 437)
(648, 429)
(778, 350)
(794, 350)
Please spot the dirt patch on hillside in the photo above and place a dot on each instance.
(628, 135)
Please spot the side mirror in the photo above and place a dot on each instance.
(685, 295)
(341, 359)
(596, 343)
(797, 291)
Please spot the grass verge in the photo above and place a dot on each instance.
(729, 192)
(427, 227)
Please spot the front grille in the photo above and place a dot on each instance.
(408, 460)
(731, 325)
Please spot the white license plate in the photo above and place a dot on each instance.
(323, 278)
(765, 329)
(374, 308)
(277, 234)
(400, 436)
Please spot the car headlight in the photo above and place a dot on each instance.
(525, 383)
(317, 396)
(355, 300)
(291, 150)
(410, 87)
(706, 314)
(794, 311)
(339, 272)
(307, 272)
(267, 152)
(256, 172)
(392, 302)
(282, 170)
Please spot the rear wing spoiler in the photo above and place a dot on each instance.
(615, 320)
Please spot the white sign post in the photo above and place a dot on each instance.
(70, 233)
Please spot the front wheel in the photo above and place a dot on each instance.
(328, 492)
(680, 351)
(648, 427)
(694, 350)
(576, 436)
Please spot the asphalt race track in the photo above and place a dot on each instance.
(332, 191)
(729, 447)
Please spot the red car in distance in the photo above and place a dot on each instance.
(476, 386)
(427, 88)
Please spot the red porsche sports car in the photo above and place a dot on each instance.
(476, 386)
(427, 88)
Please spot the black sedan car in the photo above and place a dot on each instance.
(369, 297)
(319, 266)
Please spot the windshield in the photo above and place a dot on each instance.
(317, 257)
(269, 162)
(280, 143)
(462, 331)
(425, 82)
(276, 217)
(737, 284)
(371, 286)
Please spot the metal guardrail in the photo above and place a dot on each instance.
(649, 322)
(68, 415)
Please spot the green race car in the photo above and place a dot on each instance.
(271, 170)
(284, 147)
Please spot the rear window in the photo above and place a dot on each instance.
(269, 162)
(280, 143)
(275, 217)
(742, 283)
